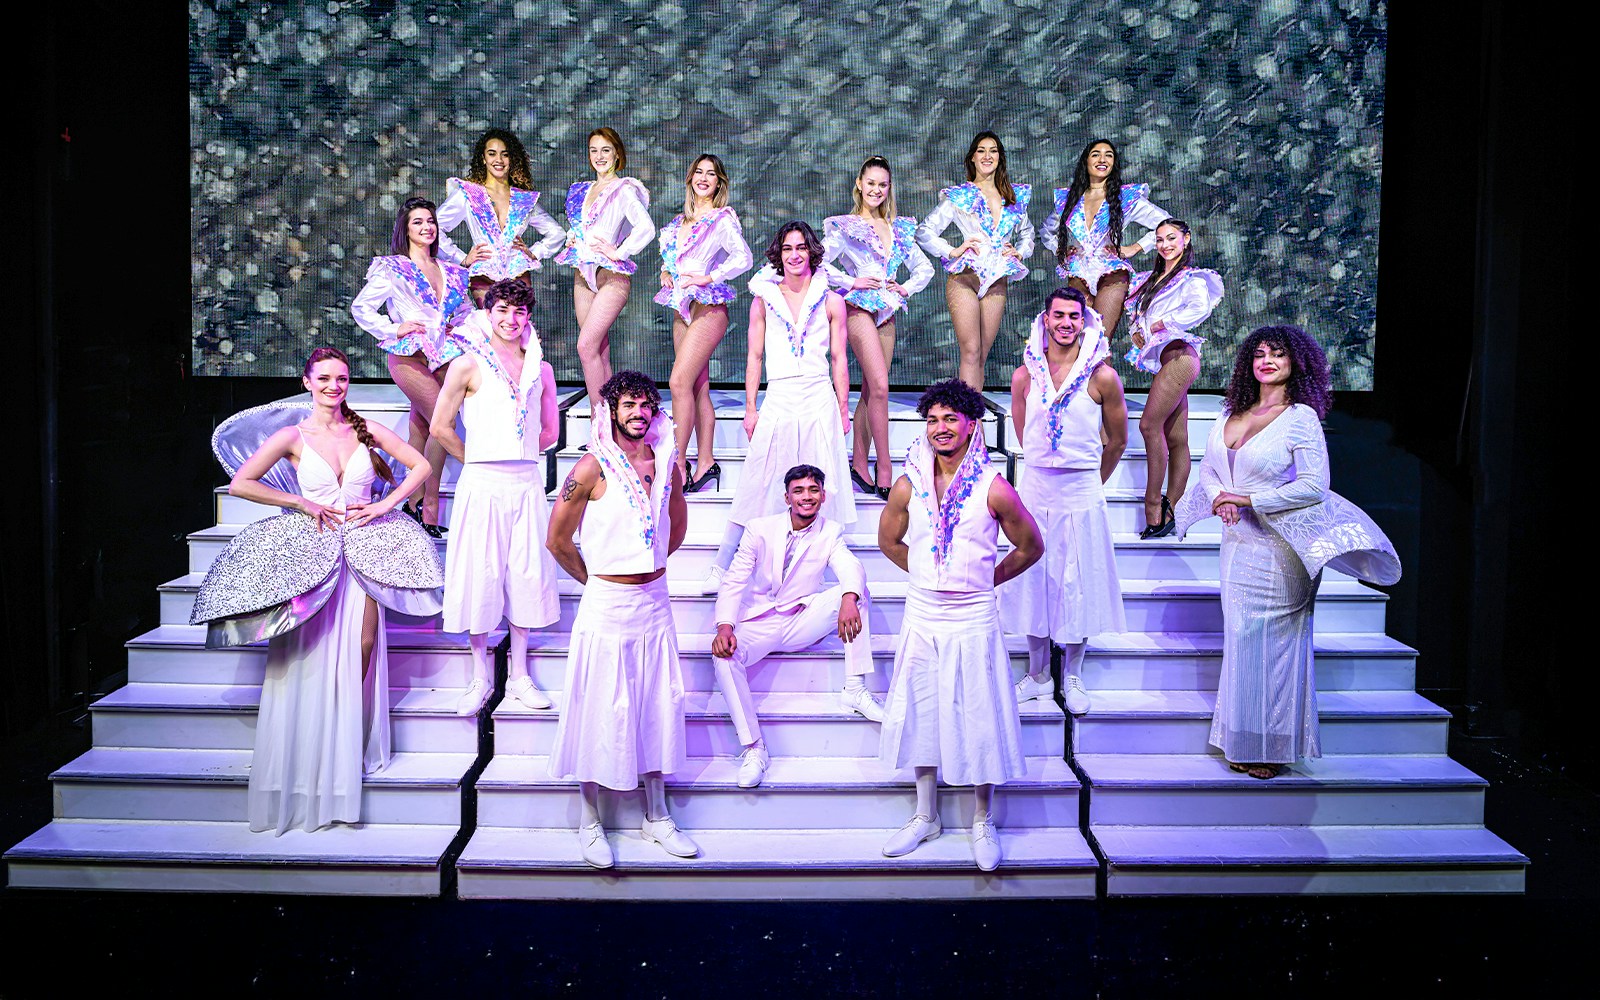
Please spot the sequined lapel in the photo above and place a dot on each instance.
(1055, 402)
(943, 517)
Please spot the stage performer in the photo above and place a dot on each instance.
(797, 326)
(496, 564)
(314, 583)
(1085, 230)
(996, 240)
(702, 249)
(498, 204)
(609, 222)
(952, 711)
(1164, 307)
(1265, 474)
(410, 302)
(773, 600)
(1062, 398)
(623, 719)
(862, 253)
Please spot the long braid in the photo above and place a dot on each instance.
(359, 424)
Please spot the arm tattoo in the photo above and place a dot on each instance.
(570, 486)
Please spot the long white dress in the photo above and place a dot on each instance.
(321, 723)
(1267, 695)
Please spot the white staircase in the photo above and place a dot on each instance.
(158, 802)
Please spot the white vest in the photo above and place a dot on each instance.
(1064, 436)
(625, 530)
(490, 415)
(794, 350)
(965, 562)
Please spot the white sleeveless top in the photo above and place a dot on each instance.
(794, 348)
(626, 529)
(502, 421)
(1061, 429)
(952, 546)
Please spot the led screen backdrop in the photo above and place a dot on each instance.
(1259, 123)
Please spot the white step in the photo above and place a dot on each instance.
(505, 863)
(794, 725)
(226, 857)
(176, 654)
(169, 785)
(1196, 790)
(223, 717)
(797, 793)
(1179, 722)
(1192, 661)
(1324, 859)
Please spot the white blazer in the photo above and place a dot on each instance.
(754, 584)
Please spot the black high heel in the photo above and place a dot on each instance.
(696, 485)
(861, 482)
(1168, 524)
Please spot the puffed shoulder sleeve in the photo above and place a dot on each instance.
(921, 268)
(1145, 213)
(930, 233)
(1196, 297)
(374, 295)
(833, 242)
(1051, 233)
(1022, 235)
(635, 205)
(452, 213)
(1308, 451)
(735, 254)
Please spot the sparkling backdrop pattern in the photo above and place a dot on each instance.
(1260, 124)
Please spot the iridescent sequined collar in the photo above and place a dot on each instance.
(944, 517)
(482, 206)
(969, 199)
(477, 340)
(768, 287)
(669, 236)
(1093, 350)
(455, 283)
(648, 505)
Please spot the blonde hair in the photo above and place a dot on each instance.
(719, 198)
(610, 135)
(860, 208)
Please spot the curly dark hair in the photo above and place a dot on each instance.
(1080, 186)
(775, 248)
(954, 394)
(1309, 379)
(521, 173)
(628, 382)
(803, 471)
(512, 291)
(400, 239)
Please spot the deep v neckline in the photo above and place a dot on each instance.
(1252, 437)
(338, 474)
(439, 293)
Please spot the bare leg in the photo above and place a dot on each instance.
(421, 388)
(1168, 394)
(694, 344)
(885, 459)
(961, 296)
(872, 410)
(991, 309)
(1185, 365)
(369, 633)
(1108, 300)
(597, 310)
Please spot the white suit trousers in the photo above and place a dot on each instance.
(775, 632)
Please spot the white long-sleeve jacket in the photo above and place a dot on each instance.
(620, 215)
(965, 206)
(396, 291)
(470, 203)
(851, 249)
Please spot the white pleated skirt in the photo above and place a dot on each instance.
(496, 564)
(1073, 591)
(951, 703)
(799, 423)
(321, 724)
(624, 711)
(1267, 694)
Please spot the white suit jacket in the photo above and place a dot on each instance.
(754, 583)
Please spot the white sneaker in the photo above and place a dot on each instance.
(861, 702)
(595, 848)
(523, 689)
(918, 829)
(713, 581)
(1073, 694)
(1031, 687)
(672, 840)
(986, 845)
(473, 698)
(753, 763)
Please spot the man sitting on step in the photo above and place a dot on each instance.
(772, 600)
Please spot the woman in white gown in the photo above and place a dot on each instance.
(1165, 306)
(1265, 474)
(310, 582)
